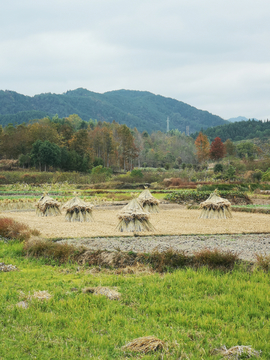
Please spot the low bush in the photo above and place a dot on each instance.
(218, 168)
(165, 261)
(61, 253)
(263, 261)
(12, 229)
(215, 258)
(236, 197)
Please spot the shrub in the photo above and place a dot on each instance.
(12, 229)
(179, 197)
(136, 173)
(167, 166)
(218, 168)
(98, 161)
(230, 173)
(215, 258)
(100, 174)
(266, 176)
(51, 250)
(257, 175)
(3, 179)
(166, 260)
(263, 261)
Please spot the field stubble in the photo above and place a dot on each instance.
(171, 220)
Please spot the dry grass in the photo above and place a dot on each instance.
(176, 221)
(263, 261)
(216, 258)
(238, 352)
(11, 229)
(130, 262)
(145, 344)
(111, 294)
(47, 249)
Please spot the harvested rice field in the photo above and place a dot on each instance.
(171, 220)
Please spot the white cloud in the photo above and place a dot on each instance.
(211, 54)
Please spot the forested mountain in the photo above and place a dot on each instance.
(237, 131)
(139, 109)
(238, 118)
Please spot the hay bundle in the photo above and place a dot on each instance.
(149, 202)
(78, 210)
(101, 290)
(145, 344)
(47, 206)
(134, 218)
(238, 352)
(215, 207)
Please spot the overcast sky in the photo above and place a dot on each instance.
(211, 54)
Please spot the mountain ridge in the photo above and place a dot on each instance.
(141, 109)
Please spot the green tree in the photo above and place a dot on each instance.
(247, 150)
(230, 148)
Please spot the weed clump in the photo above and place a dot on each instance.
(215, 258)
(165, 261)
(50, 250)
(11, 229)
(263, 261)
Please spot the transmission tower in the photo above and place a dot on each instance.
(187, 130)
(168, 124)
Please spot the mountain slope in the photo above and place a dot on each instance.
(240, 130)
(140, 109)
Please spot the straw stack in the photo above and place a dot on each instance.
(47, 206)
(78, 210)
(133, 218)
(149, 202)
(215, 207)
(145, 344)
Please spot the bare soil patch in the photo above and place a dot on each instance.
(170, 221)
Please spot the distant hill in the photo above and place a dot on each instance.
(241, 130)
(139, 109)
(239, 118)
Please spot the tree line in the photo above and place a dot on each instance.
(71, 144)
(242, 130)
(217, 149)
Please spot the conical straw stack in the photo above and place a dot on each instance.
(47, 206)
(133, 218)
(78, 210)
(215, 207)
(149, 202)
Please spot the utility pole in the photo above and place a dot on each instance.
(168, 124)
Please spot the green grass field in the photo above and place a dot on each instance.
(192, 311)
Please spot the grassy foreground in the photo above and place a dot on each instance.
(192, 311)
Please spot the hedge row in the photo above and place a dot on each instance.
(236, 197)
(240, 186)
(13, 177)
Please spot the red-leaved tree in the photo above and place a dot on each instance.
(217, 149)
